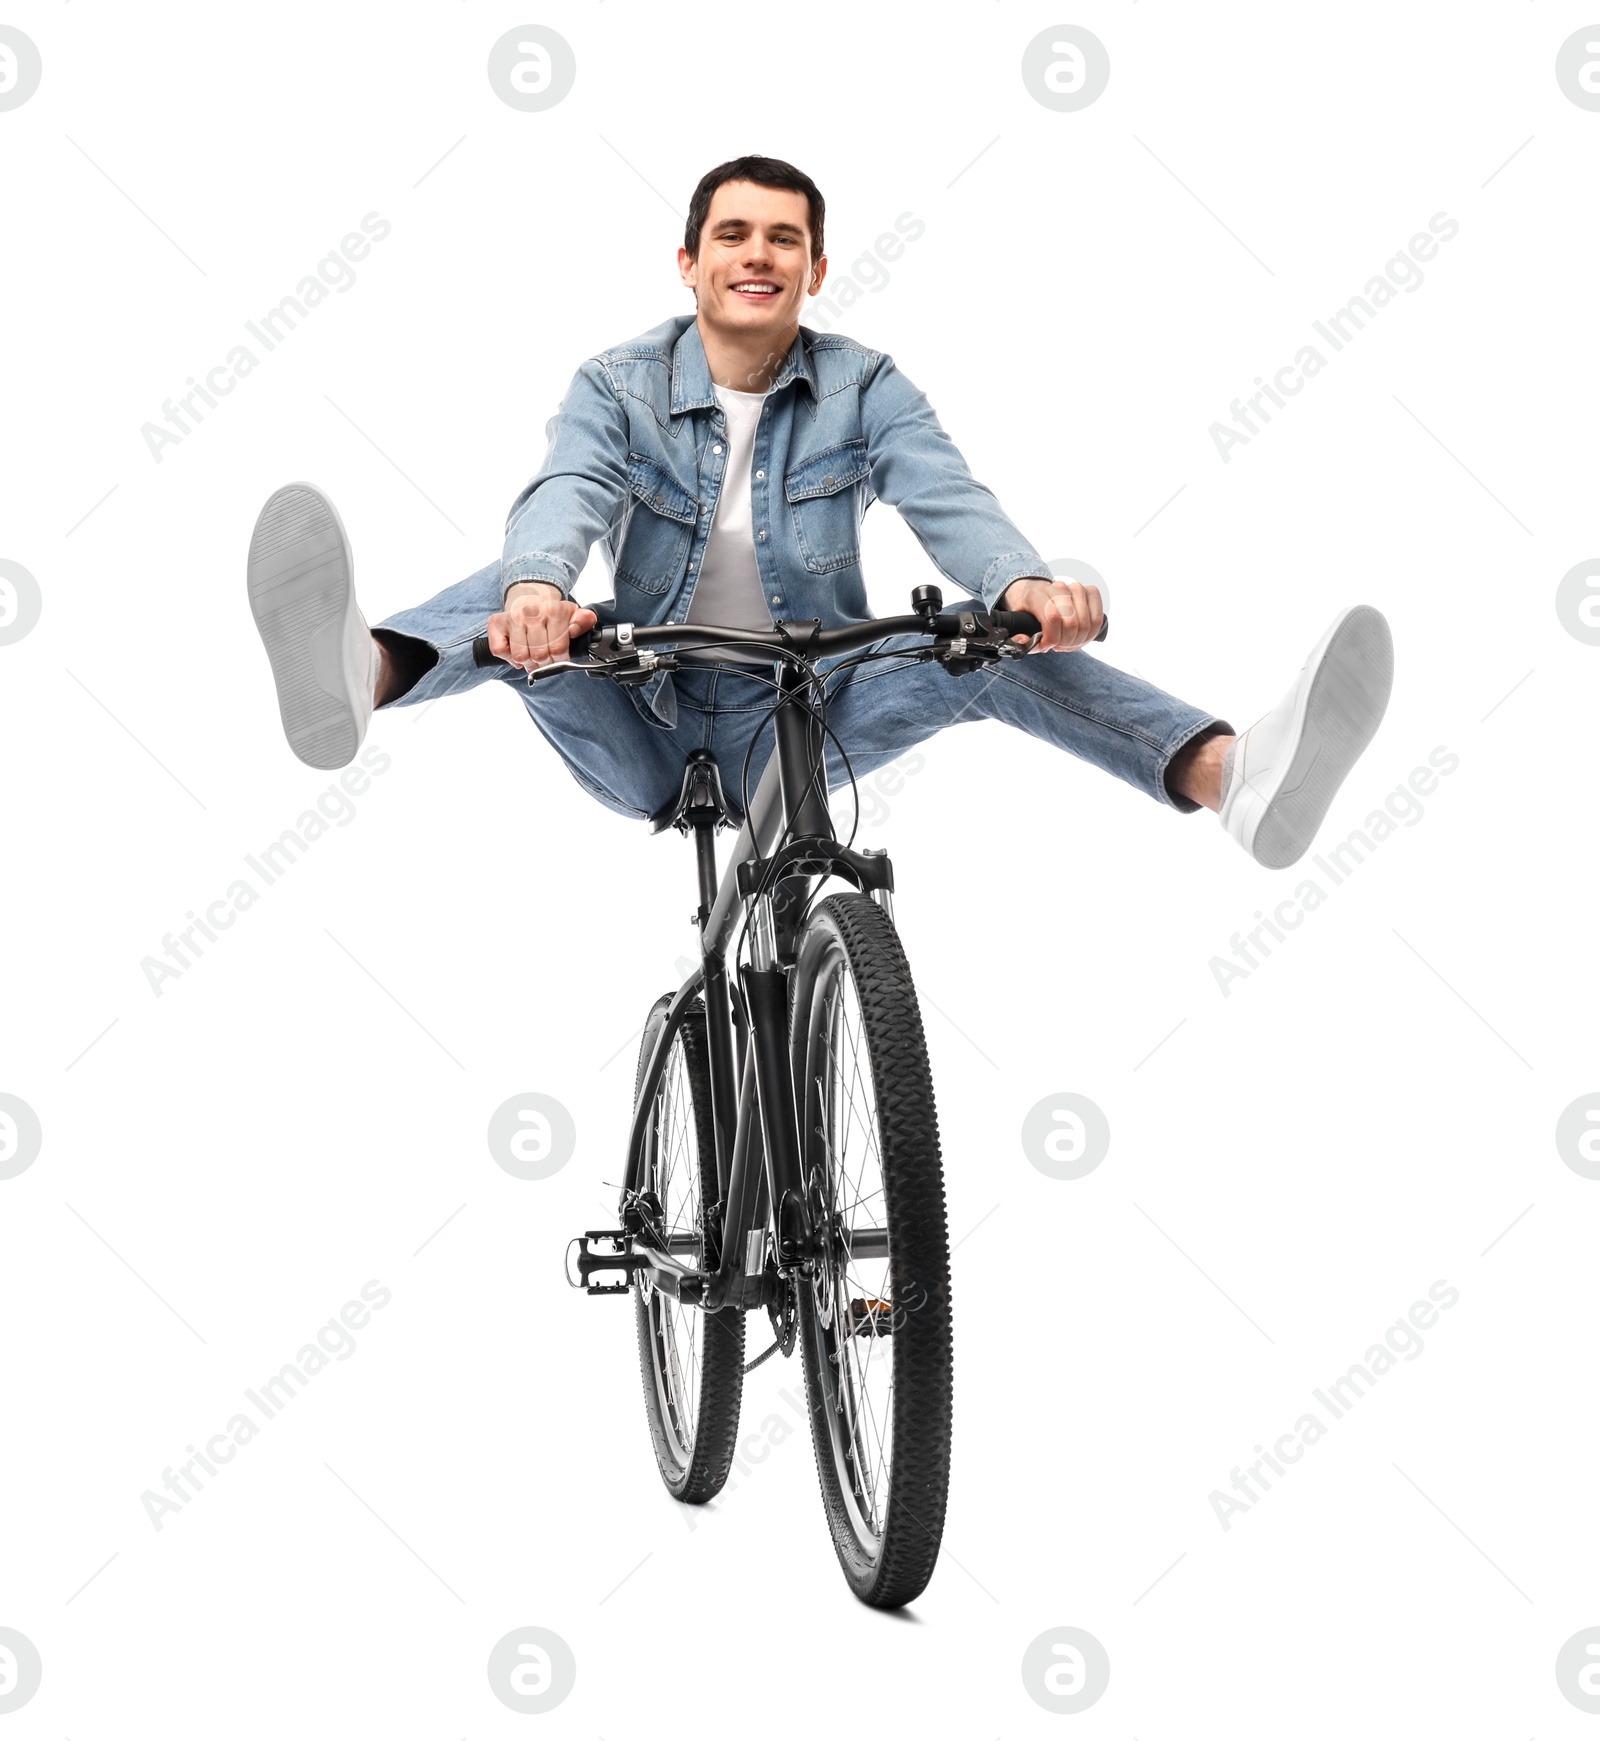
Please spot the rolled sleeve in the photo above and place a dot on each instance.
(918, 469)
(579, 493)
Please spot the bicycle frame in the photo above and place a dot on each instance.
(785, 849)
(747, 1023)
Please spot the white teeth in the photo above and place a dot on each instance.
(758, 289)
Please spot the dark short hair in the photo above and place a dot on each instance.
(764, 172)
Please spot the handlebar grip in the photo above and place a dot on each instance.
(1026, 623)
(578, 648)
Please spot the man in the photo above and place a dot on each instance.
(724, 460)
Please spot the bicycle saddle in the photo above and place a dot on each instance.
(700, 799)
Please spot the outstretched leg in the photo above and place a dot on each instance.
(1271, 785)
(332, 670)
(425, 650)
(1076, 701)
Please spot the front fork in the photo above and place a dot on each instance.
(781, 1104)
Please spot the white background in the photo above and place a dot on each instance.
(1288, 1172)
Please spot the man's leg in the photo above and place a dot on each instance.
(613, 753)
(331, 670)
(1076, 701)
(1271, 785)
(425, 651)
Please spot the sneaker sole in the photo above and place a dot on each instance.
(301, 580)
(1342, 709)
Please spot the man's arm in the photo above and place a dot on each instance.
(578, 493)
(919, 470)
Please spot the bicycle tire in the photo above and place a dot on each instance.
(886, 1526)
(693, 1425)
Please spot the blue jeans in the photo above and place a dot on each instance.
(623, 755)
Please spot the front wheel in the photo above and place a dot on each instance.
(875, 1309)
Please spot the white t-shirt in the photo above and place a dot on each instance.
(729, 590)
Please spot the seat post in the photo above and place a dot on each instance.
(700, 809)
(705, 858)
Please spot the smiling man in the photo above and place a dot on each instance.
(723, 460)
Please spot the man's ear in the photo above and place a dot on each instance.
(818, 273)
(688, 268)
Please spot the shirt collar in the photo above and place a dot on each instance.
(691, 376)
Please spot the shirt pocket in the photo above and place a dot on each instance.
(660, 529)
(824, 495)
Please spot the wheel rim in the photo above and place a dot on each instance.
(856, 1355)
(672, 1172)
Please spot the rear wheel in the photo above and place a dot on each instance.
(875, 1323)
(692, 1361)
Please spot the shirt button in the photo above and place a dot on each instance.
(761, 474)
(717, 448)
(776, 599)
(761, 534)
(827, 483)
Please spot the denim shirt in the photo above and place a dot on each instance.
(636, 459)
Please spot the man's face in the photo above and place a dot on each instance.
(754, 271)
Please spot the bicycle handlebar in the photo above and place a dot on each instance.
(802, 638)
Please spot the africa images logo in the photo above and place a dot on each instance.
(1402, 272)
(20, 68)
(334, 1341)
(335, 272)
(1401, 1339)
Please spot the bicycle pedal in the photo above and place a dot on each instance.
(591, 1258)
(871, 1317)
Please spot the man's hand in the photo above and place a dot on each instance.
(536, 626)
(1069, 612)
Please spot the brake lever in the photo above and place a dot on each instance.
(637, 668)
(1010, 650)
(560, 665)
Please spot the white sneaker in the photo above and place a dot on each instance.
(303, 598)
(1280, 776)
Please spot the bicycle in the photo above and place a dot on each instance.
(784, 1150)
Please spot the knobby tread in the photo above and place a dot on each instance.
(722, 1338)
(908, 1135)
